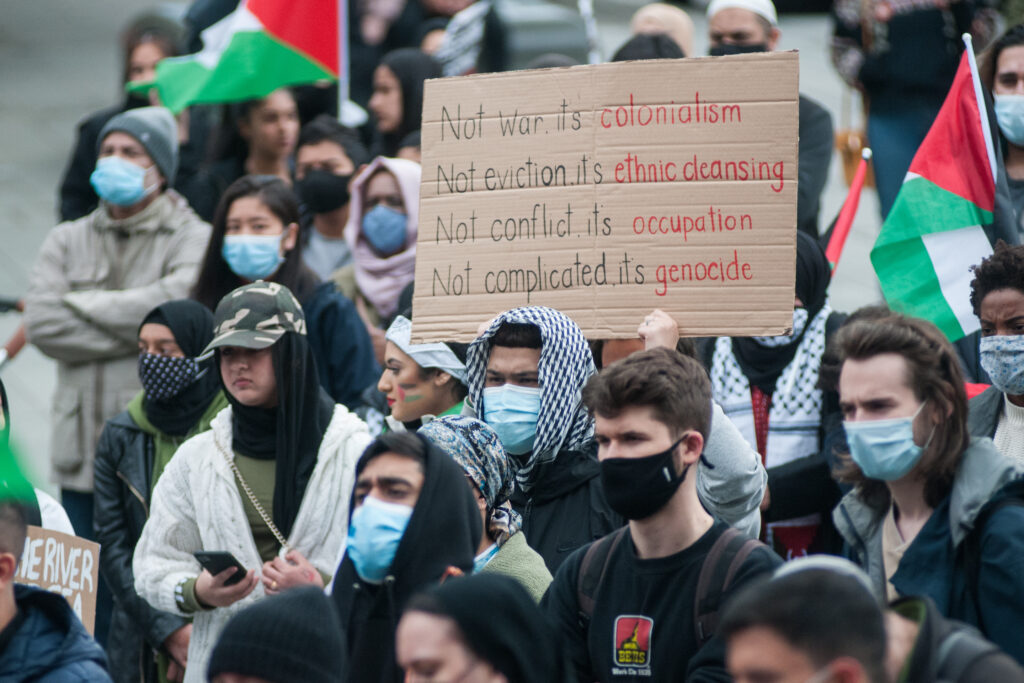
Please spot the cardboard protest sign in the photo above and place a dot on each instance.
(63, 564)
(609, 190)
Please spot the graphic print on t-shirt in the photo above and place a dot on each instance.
(632, 646)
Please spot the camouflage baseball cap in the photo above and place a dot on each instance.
(255, 316)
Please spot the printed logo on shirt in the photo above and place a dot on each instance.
(632, 646)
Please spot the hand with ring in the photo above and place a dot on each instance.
(289, 571)
(659, 329)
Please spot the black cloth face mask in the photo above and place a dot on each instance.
(636, 488)
(322, 191)
(723, 49)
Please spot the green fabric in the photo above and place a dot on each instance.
(188, 594)
(517, 559)
(259, 475)
(454, 410)
(164, 445)
(252, 65)
(915, 611)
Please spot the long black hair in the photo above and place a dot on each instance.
(216, 277)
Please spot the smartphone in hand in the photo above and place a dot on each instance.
(216, 561)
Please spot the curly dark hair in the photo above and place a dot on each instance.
(1004, 269)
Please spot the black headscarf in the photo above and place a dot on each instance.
(411, 67)
(191, 323)
(500, 623)
(443, 531)
(290, 433)
(761, 365)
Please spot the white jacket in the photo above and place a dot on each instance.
(197, 506)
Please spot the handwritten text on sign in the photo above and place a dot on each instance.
(63, 564)
(606, 191)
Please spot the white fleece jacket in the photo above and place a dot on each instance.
(197, 506)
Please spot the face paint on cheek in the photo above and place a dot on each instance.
(408, 398)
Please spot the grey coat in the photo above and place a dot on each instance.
(93, 282)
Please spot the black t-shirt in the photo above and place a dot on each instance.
(643, 620)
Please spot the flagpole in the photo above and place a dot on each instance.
(979, 97)
(343, 89)
(844, 222)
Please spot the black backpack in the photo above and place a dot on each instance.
(720, 565)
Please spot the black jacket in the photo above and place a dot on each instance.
(123, 472)
(984, 411)
(49, 643)
(928, 661)
(817, 138)
(566, 509)
(444, 531)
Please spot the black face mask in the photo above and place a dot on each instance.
(636, 488)
(322, 191)
(732, 49)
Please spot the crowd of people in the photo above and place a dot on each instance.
(286, 487)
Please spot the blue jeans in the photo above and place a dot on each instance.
(894, 137)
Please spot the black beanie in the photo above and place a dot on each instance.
(500, 623)
(294, 636)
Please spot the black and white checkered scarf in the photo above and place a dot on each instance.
(565, 366)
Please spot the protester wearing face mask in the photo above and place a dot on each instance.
(381, 233)
(94, 281)
(638, 601)
(503, 547)
(420, 382)
(1002, 72)
(934, 512)
(256, 237)
(768, 387)
(179, 399)
(743, 26)
(413, 524)
(269, 482)
(997, 295)
(326, 160)
(525, 374)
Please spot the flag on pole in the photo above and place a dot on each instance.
(841, 230)
(935, 230)
(261, 46)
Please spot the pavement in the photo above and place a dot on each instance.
(60, 62)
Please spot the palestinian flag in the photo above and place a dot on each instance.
(936, 229)
(261, 46)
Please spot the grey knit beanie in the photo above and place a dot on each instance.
(155, 129)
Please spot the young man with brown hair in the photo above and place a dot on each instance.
(934, 512)
(644, 600)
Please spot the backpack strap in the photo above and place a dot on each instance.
(592, 570)
(958, 651)
(726, 556)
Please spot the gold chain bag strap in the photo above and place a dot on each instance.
(252, 498)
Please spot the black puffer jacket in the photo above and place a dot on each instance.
(124, 470)
(566, 508)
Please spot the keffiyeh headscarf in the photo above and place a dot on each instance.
(565, 366)
(477, 449)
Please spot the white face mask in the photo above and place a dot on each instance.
(1010, 116)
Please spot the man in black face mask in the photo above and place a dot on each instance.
(742, 26)
(327, 156)
(644, 600)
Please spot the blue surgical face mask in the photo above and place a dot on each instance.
(384, 229)
(884, 449)
(253, 257)
(373, 537)
(512, 412)
(1003, 359)
(1010, 116)
(120, 182)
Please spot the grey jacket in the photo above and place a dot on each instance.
(983, 471)
(92, 283)
(521, 562)
(985, 410)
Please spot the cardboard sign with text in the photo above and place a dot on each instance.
(609, 190)
(63, 564)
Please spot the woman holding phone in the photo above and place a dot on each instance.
(269, 484)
